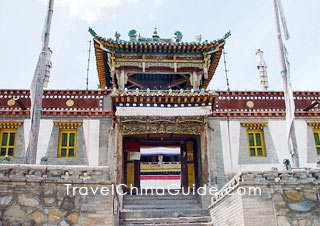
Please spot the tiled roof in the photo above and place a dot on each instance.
(121, 46)
(150, 45)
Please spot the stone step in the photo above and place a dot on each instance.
(161, 197)
(170, 224)
(160, 201)
(181, 206)
(162, 213)
(204, 219)
(163, 210)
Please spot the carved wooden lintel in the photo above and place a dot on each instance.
(68, 125)
(254, 125)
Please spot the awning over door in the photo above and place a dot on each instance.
(158, 111)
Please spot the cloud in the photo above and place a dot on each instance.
(135, 2)
(87, 10)
(114, 16)
(158, 3)
(92, 10)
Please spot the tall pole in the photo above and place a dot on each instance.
(36, 91)
(226, 70)
(262, 68)
(88, 66)
(288, 94)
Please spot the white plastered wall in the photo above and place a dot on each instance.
(46, 126)
(230, 137)
(45, 130)
(91, 135)
(26, 128)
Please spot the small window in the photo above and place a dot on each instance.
(316, 134)
(67, 143)
(8, 142)
(256, 143)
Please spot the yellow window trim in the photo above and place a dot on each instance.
(255, 146)
(10, 124)
(254, 125)
(315, 125)
(68, 125)
(316, 131)
(7, 146)
(68, 147)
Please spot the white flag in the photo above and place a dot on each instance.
(290, 109)
(283, 21)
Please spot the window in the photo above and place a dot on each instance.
(8, 142)
(67, 143)
(256, 143)
(316, 134)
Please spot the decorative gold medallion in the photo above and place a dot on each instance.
(11, 102)
(250, 104)
(69, 103)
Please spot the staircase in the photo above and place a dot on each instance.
(163, 210)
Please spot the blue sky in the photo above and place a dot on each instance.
(250, 21)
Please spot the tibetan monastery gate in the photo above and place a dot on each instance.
(154, 124)
(160, 106)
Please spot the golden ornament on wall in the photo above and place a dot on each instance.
(11, 102)
(250, 104)
(69, 103)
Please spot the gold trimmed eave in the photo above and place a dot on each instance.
(125, 46)
(171, 99)
(101, 65)
(103, 47)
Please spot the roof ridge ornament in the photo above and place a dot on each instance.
(198, 38)
(117, 35)
(226, 35)
(155, 32)
(155, 35)
(178, 36)
(92, 32)
(132, 35)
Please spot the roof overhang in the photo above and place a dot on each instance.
(161, 111)
(163, 103)
(105, 48)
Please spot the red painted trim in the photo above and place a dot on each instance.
(229, 104)
(165, 177)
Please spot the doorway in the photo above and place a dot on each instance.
(160, 167)
(161, 161)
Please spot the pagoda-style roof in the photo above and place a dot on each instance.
(149, 55)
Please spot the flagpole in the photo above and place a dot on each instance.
(288, 94)
(36, 91)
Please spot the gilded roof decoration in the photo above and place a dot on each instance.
(136, 38)
(108, 62)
